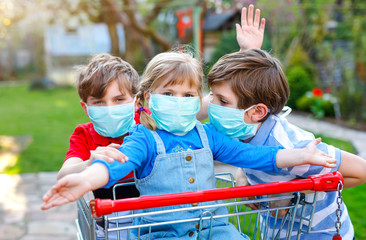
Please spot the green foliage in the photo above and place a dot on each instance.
(299, 82)
(354, 199)
(319, 107)
(304, 103)
(48, 116)
(351, 97)
(300, 75)
(227, 44)
(300, 58)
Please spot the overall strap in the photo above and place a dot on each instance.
(202, 134)
(159, 143)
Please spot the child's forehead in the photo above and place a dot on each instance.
(114, 88)
(222, 87)
(172, 81)
(120, 84)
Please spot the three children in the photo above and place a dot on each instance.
(171, 86)
(159, 147)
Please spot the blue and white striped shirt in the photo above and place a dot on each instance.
(276, 131)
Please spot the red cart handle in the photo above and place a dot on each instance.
(325, 182)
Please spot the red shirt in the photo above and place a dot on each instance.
(85, 139)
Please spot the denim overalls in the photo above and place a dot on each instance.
(191, 170)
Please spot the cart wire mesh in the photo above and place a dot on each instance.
(274, 208)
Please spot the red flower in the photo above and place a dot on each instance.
(317, 92)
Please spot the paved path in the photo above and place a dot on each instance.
(20, 214)
(20, 195)
(357, 138)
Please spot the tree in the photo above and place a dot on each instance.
(139, 19)
(13, 15)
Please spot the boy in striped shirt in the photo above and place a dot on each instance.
(248, 91)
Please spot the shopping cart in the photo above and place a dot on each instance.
(255, 223)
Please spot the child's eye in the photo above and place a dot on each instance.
(223, 102)
(97, 102)
(188, 95)
(168, 94)
(119, 99)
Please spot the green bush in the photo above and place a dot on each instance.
(328, 107)
(304, 103)
(300, 82)
(318, 106)
(227, 44)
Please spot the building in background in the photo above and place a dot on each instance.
(68, 47)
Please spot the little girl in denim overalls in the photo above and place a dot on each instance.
(196, 173)
(177, 150)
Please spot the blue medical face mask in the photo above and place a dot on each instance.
(230, 121)
(112, 121)
(174, 114)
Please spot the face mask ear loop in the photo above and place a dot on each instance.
(246, 110)
(87, 108)
(286, 111)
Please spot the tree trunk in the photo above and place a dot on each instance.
(110, 21)
(112, 29)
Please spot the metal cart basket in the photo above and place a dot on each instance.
(256, 222)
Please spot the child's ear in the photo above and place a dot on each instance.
(135, 106)
(83, 105)
(147, 97)
(260, 111)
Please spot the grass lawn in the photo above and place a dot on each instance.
(50, 117)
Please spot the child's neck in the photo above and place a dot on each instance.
(247, 140)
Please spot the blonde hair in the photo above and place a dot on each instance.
(255, 77)
(175, 66)
(101, 71)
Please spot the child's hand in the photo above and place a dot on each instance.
(316, 157)
(70, 188)
(250, 35)
(108, 154)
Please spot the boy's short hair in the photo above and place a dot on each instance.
(254, 76)
(102, 70)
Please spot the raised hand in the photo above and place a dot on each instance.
(250, 34)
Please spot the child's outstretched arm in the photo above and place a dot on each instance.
(353, 169)
(307, 155)
(250, 34)
(265, 158)
(108, 153)
(72, 187)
